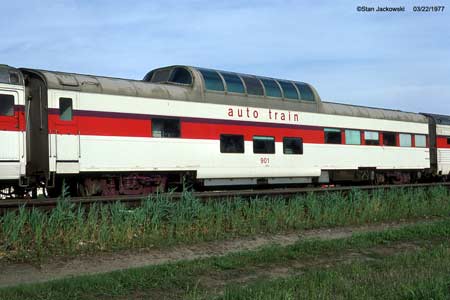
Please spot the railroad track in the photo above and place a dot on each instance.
(209, 195)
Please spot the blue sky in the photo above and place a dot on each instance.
(392, 60)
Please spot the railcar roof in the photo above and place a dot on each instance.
(197, 92)
(439, 119)
(10, 75)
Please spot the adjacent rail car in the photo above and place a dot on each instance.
(440, 145)
(117, 136)
(12, 129)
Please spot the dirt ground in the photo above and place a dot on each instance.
(20, 273)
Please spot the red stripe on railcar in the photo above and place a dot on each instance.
(442, 142)
(15, 122)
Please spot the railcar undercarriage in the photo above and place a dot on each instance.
(146, 183)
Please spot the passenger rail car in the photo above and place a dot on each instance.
(12, 128)
(109, 136)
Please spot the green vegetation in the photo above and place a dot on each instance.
(68, 229)
(417, 268)
(422, 274)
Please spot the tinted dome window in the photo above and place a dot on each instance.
(161, 75)
(253, 85)
(234, 83)
(305, 91)
(212, 80)
(181, 75)
(272, 88)
(289, 90)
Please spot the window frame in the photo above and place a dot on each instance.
(226, 135)
(164, 121)
(12, 110)
(366, 139)
(425, 140)
(300, 152)
(71, 109)
(334, 130)
(352, 131)
(263, 136)
(400, 135)
(396, 142)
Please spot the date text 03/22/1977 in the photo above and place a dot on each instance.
(436, 8)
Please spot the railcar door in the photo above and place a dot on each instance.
(65, 139)
(36, 107)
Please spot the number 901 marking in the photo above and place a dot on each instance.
(264, 160)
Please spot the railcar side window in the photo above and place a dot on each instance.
(165, 128)
(264, 144)
(372, 137)
(6, 105)
(181, 75)
(305, 91)
(448, 141)
(234, 83)
(65, 109)
(212, 80)
(231, 143)
(405, 140)
(292, 145)
(253, 85)
(288, 89)
(352, 137)
(420, 140)
(389, 139)
(272, 88)
(333, 136)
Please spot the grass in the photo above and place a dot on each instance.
(70, 230)
(418, 274)
(422, 274)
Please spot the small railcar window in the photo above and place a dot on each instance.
(372, 137)
(305, 91)
(389, 139)
(448, 141)
(234, 83)
(14, 77)
(253, 85)
(289, 90)
(161, 76)
(181, 75)
(212, 80)
(264, 144)
(333, 136)
(65, 109)
(272, 88)
(231, 143)
(405, 140)
(420, 140)
(166, 128)
(352, 137)
(292, 145)
(6, 105)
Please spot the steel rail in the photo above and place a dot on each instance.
(208, 195)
